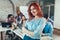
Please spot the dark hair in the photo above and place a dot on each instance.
(46, 16)
(9, 15)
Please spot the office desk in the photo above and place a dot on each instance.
(3, 30)
(19, 33)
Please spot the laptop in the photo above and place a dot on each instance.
(6, 24)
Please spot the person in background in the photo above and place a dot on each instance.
(35, 24)
(10, 19)
(18, 17)
(48, 30)
(23, 20)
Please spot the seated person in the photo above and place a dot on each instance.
(48, 30)
(18, 17)
(11, 19)
(23, 20)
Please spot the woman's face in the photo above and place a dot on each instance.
(33, 10)
(18, 12)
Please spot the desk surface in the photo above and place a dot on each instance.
(18, 32)
(3, 29)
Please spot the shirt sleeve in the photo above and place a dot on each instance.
(50, 30)
(26, 26)
(40, 27)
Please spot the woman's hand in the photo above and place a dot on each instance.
(27, 32)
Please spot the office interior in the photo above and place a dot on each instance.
(49, 7)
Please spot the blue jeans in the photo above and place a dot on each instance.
(29, 38)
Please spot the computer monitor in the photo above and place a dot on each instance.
(6, 24)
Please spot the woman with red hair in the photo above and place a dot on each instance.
(34, 26)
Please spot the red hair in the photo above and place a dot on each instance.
(38, 8)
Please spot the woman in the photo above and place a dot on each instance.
(18, 17)
(34, 26)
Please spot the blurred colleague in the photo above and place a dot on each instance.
(18, 17)
(48, 30)
(10, 18)
(36, 23)
(23, 20)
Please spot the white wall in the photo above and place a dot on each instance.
(5, 9)
(57, 14)
(20, 2)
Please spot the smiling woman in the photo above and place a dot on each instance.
(35, 24)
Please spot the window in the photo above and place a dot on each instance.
(48, 8)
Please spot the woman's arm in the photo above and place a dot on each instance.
(24, 30)
(40, 27)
